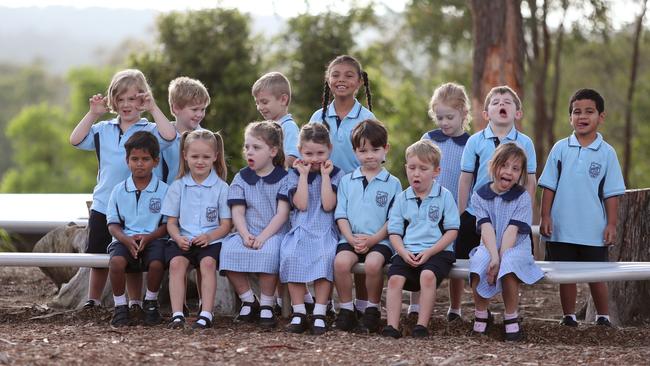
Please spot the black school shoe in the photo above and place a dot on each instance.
(602, 321)
(120, 316)
(300, 327)
(389, 331)
(315, 329)
(197, 325)
(90, 304)
(136, 314)
(253, 315)
(271, 322)
(419, 331)
(346, 320)
(371, 319)
(176, 322)
(151, 312)
(489, 321)
(452, 317)
(568, 321)
(516, 336)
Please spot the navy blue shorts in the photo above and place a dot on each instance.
(154, 251)
(468, 238)
(440, 264)
(194, 255)
(98, 236)
(381, 249)
(568, 252)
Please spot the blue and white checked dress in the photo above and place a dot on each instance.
(308, 250)
(452, 151)
(260, 195)
(510, 208)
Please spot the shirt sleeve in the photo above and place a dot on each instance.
(317, 117)
(236, 194)
(550, 176)
(468, 160)
(395, 217)
(342, 199)
(531, 156)
(112, 212)
(522, 214)
(164, 144)
(481, 211)
(224, 209)
(614, 184)
(290, 131)
(282, 191)
(172, 203)
(451, 218)
(88, 143)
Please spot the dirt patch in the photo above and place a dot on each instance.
(32, 333)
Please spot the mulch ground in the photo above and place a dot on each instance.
(31, 333)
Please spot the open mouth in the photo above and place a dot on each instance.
(503, 113)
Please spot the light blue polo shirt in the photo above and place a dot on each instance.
(421, 226)
(342, 153)
(198, 207)
(167, 170)
(290, 133)
(479, 150)
(366, 208)
(107, 139)
(582, 179)
(137, 214)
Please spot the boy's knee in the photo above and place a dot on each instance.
(427, 279)
(156, 266)
(177, 264)
(396, 282)
(208, 264)
(117, 263)
(374, 265)
(341, 264)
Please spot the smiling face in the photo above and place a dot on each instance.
(450, 120)
(128, 105)
(343, 80)
(585, 118)
(420, 174)
(200, 157)
(141, 163)
(189, 117)
(502, 110)
(259, 156)
(271, 107)
(507, 175)
(314, 153)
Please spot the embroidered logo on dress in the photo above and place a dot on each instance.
(381, 198)
(594, 169)
(154, 205)
(434, 213)
(211, 214)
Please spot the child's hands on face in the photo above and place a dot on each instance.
(201, 241)
(301, 166)
(327, 167)
(493, 271)
(98, 104)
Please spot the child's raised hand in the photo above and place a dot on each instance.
(327, 167)
(147, 103)
(493, 271)
(301, 166)
(201, 241)
(98, 104)
(610, 235)
(546, 226)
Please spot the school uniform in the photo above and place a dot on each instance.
(107, 140)
(137, 212)
(513, 207)
(199, 208)
(260, 196)
(452, 150)
(307, 251)
(290, 132)
(341, 133)
(582, 179)
(476, 157)
(366, 206)
(167, 169)
(421, 224)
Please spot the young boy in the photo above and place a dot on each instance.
(581, 184)
(188, 100)
(502, 108)
(272, 93)
(364, 198)
(422, 225)
(138, 229)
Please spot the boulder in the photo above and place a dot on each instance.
(64, 239)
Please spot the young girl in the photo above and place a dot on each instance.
(307, 251)
(503, 260)
(260, 213)
(128, 96)
(198, 219)
(449, 108)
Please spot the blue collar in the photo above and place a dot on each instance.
(439, 136)
(353, 114)
(211, 180)
(383, 174)
(595, 145)
(286, 118)
(129, 184)
(487, 193)
(489, 134)
(312, 175)
(252, 178)
(436, 191)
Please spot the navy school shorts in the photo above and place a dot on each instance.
(194, 255)
(379, 248)
(568, 252)
(440, 264)
(154, 251)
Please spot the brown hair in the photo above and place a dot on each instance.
(271, 133)
(426, 151)
(184, 91)
(215, 140)
(453, 95)
(275, 82)
(344, 59)
(122, 80)
(503, 89)
(316, 133)
(505, 152)
(371, 130)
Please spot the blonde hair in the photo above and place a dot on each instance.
(184, 91)
(271, 133)
(215, 140)
(453, 95)
(275, 82)
(123, 80)
(501, 156)
(502, 89)
(426, 151)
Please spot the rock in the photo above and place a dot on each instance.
(65, 239)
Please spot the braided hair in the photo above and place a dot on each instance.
(326, 88)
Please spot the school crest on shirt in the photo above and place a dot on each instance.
(154, 205)
(211, 214)
(594, 169)
(381, 198)
(434, 213)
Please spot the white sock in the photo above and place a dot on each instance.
(602, 316)
(455, 311)
(119, 300)
(347, 306)
(372, 305)
(135, 302)
(150, 295)
(178, 313)
(206, 314)
(308, 299)
(361, 305)
(298, 309)
(414, 308)
(320, 309)
(266, 300)
(278, 301)
(247, 296)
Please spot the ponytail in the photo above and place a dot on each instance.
(215, 140)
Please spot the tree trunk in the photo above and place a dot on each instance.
(628, 300)
(498, 50)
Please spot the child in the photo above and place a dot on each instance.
(198, 219)
(449, 108)
(364, 199)
(188, 99)
(307, 251)
(502, 108)
(272, 93)
(504, 213)
(128, 96)
(581, 184)
(260, 213)
(422, 225)
(138, 229)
